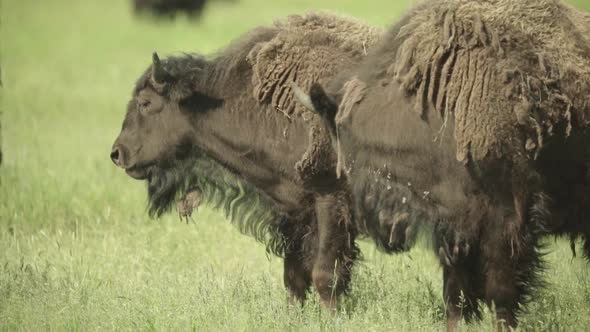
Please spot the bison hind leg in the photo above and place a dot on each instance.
(461, 285)
(297, 254)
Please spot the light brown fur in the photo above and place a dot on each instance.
(495, 66)
(298, 53)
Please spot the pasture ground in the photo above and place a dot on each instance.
(77, 250)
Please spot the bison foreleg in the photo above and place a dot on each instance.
(510, 276)
(336, 248)
(462, 275)
(297, 277)
(462, 283)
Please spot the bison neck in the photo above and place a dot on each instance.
(260, 147)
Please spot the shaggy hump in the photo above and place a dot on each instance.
(303, 51)
(499, 68)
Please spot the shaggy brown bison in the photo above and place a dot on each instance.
(227, 130)
(169, 8)
(475, 113)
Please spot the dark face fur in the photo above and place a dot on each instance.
(154, 132)
(157, 129)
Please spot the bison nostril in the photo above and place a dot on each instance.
(115, 156)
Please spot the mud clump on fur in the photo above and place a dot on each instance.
(497, 76)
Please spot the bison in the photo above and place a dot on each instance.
(169, 8)
(227, 130)
(475, 114)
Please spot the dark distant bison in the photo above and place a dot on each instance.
(474, 113)
(169, 8)
(227, 130)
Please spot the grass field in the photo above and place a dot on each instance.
(77, 250)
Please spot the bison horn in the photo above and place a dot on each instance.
(159, 74)
(302, 97)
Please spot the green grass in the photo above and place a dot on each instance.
(77, 250)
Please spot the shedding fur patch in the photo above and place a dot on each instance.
(303, 51)
(498, 68)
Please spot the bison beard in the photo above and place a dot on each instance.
(485, 105)
(250, 210)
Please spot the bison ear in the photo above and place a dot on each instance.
(159, 74)
(318, 101)
(323, 104)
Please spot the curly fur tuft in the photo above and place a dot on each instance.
(303, 52)
(497, 65)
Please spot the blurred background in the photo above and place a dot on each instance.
(77, 250)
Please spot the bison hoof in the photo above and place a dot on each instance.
(189, 203)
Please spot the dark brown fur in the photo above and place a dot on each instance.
(226, 127)
(464, 114)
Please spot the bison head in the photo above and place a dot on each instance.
(156, 140)
(157, 129)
